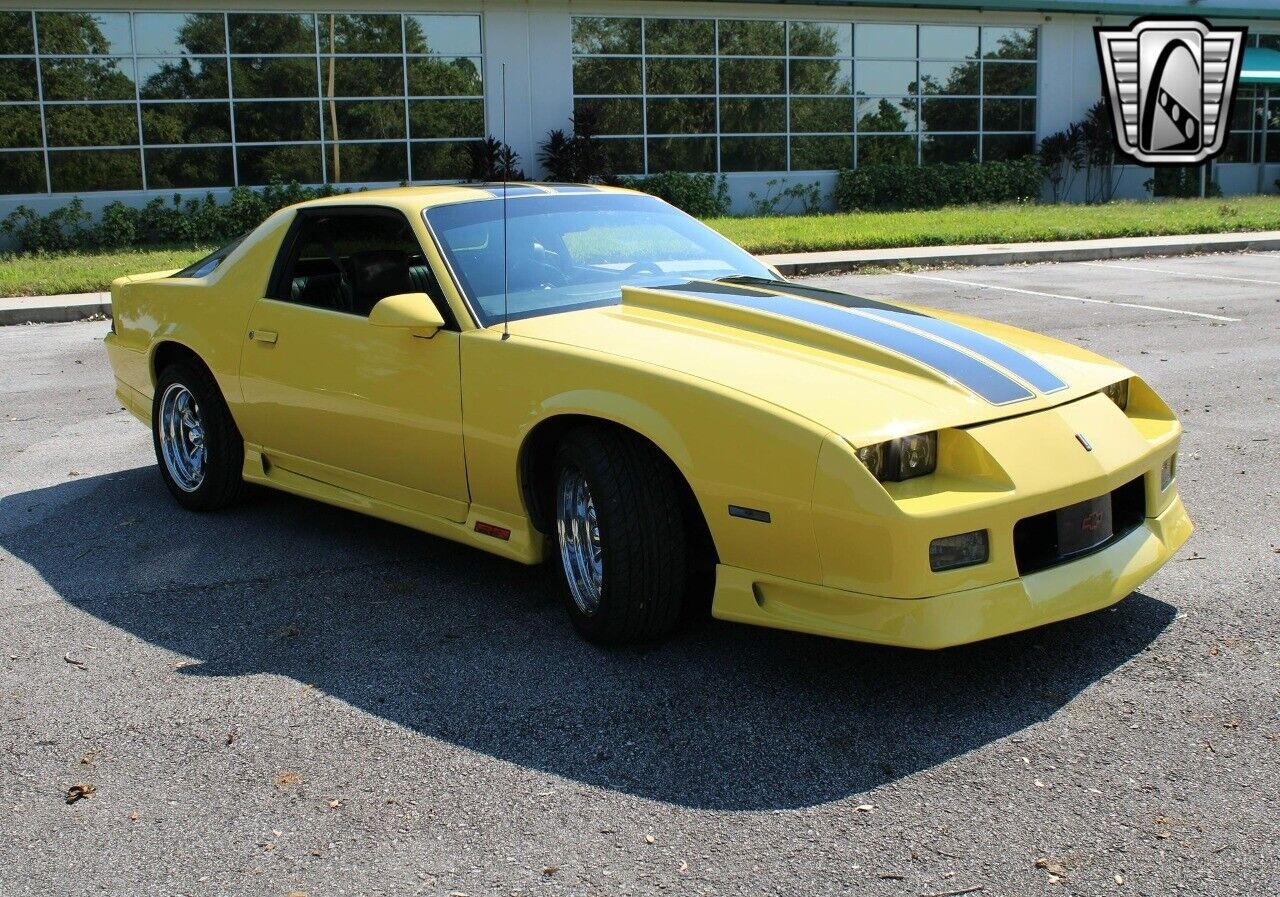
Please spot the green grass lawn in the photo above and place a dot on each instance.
(1001, 224)
(89, 272)
(31, 275)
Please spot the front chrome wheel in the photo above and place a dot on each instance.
(579, 535)
(182, 437)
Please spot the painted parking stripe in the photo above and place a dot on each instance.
(991, 384)
(991, 349)
(992, 286)
(1269, 283)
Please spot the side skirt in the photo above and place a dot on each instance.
(525, 545)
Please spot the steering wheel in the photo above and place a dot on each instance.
(542, 274)
(644, 266)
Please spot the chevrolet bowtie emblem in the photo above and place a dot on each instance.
(1169, 83)
(1088, 446)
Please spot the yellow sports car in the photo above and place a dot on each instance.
(588, 373)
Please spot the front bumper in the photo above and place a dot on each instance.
(1058, 593)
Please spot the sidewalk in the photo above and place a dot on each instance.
(800, 263)
(78, 306)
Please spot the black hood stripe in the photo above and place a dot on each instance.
(1004, 355)
(983, 379)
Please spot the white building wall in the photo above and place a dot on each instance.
(533, 40)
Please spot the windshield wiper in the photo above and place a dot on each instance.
(747, 279)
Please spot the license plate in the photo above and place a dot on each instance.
(1084, 526)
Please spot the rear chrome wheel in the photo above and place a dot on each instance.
(198, 448)
(578, 531)
(182, 437)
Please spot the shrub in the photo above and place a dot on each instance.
(576, 158)
(701, 195)
(492, 160)
(907, 186)
(197, 220)
(809, 195)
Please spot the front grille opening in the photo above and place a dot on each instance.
(1035, 539)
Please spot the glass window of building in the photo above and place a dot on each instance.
(114, 100)
(767, 95)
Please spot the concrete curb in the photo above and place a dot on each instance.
(802, 263)
(79, 306)
(54, 309)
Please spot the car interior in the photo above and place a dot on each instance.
(348, 263)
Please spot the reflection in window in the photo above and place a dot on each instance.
(261, 165)
(18, 80)
(672, 94)
(19, 126)
(182, 79)
(355, 163)
(76, 171)
(179, 34)
(445, 76)
(753, 115)
(22, 172)
(369, 119)
(187, 168)
(84, 33)
(185, 123)
(278, 122)
(15, 34)
(266, 33)
(445, 118)
(440, 161)
(443, 35)
(111, 124)
(105, 78)
(245, 97)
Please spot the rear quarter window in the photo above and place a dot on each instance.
(210, 262)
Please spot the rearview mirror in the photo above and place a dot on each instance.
(413, 311)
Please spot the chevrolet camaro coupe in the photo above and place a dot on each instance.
(589, 374)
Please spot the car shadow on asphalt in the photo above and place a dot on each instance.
(457, 645)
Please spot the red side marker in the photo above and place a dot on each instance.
(488, 529)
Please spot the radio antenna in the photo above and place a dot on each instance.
(502, 162)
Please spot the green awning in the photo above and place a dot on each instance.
(1261, 66)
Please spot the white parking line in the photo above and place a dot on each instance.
(1270, 283)
(992, 286)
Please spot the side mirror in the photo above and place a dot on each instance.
(412, 311)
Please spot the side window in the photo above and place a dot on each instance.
(348, 261)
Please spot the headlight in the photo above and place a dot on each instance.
(901, 458)
(1118, 393)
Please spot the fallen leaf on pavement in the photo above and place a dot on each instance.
(648, 839)
(286, 779)
(79, 791)
(550, 870)
(1119, 879)
(864, 808)
(1053, 867)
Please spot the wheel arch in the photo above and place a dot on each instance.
(169, 351)
(536, 468)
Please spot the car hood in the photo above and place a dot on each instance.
(868, 369)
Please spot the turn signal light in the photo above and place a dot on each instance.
(1167, 470)
(963, 550)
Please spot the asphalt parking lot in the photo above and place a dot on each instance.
(292, 698)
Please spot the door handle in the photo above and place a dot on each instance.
(263, 336)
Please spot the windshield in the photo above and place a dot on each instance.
(571, 252)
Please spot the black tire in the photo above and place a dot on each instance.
(222, 484)
(645, 568)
